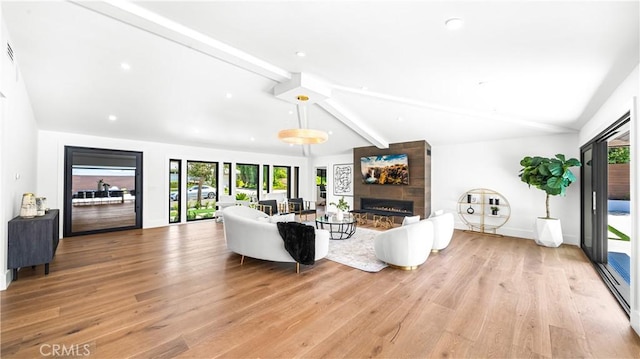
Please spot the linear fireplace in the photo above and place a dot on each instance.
(387, 207)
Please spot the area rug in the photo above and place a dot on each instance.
(357, 251)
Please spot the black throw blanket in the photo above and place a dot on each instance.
(299, 241)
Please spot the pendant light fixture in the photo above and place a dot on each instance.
(302, 136)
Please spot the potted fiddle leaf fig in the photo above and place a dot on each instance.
(553, 176)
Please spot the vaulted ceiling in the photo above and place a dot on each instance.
(203, 73)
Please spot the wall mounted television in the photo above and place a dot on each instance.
(386, 169)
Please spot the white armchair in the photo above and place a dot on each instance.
(442, 229)
(405, 247)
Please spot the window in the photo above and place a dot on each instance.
(174, 190)
(201, 189)
(296, 175)
(226, 180)
(265, 178)
(102, 190)
(246, 181)
(281, 176)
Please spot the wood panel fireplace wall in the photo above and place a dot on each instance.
(419, 188)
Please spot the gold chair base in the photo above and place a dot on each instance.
(361, 218)
(385, 222)
(407, 268)
(435, 250)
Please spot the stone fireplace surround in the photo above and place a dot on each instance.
(417, 191)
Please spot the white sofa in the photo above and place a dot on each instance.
(405, 247)
(248, 236)
(442, 229)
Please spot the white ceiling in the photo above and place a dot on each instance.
(514, 69)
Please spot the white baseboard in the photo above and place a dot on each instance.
(635, 321)
(155, 224)
(525, 233)
(6, 279)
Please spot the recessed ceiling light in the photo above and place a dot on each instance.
(112, 118)
(454, 23)
(125, 66)
(252, 138)
(229, 95)
(330, 132)
(291, 112)
(400, 119)
(301, 53)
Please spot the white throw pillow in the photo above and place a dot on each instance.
(291, 217)
(410, 220)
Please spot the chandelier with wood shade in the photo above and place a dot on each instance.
(302, 136)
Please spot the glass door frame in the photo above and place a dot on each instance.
(69, 152)
(597, 226)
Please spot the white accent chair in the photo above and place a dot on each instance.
(405, 247)
(407, 220)
(442, 229)
(248, 236)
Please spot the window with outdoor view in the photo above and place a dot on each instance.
(265, 178)
(246, 182)
(296, 175)
(174, 190)
(226, 178)
(201, 190)
(281, 176)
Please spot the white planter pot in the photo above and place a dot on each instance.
(548, 232)
(339, 215)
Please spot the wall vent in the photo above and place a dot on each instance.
(10, 52)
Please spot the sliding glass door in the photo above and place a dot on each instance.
(102, 190)
(594, 209)
(605, 206)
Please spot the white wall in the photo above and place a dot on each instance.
(17, 150)
(328, 162)
(155, 174)
(623, 99)
(456, 169)
(495, 165)
(616, 105)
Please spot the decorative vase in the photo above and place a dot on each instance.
(28, 208)
(339, 215)
(548, 232)
(40, 206)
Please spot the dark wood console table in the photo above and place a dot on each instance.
(33, 241)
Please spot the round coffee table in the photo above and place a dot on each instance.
(338, 229)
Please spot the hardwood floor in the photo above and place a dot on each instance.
(101, 216)
(177, 292)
